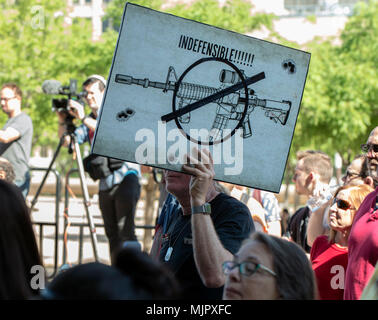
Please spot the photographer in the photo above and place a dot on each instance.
(119, 189)
(16, 135)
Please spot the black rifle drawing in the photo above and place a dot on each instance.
(230, 107)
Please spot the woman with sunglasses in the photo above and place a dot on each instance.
(269, 268)
(329, 257)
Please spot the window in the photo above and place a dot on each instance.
(302, 6)
(320, 7)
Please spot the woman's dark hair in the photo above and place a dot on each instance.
(295, 277)
(93, 79)
(147, 274)
(91, 281)
(134, 276)
(18, 246)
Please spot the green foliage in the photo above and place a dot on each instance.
(36, 44)
(311, 19)
(235, 15)
(339, 106)
(115, 8)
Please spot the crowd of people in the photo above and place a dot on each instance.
(212, 240)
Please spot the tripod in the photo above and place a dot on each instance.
(73, 146)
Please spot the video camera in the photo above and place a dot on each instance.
(55, 87)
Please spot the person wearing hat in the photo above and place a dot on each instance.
(119, 188)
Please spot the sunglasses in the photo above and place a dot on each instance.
(366, 147)
(342, 204)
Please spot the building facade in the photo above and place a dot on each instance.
(298, 20)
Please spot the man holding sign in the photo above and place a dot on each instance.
(204, 229)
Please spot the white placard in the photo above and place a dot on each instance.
(236, 95)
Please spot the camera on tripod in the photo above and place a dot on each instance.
(54, 87)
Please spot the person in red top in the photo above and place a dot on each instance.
(363, 240)
(329, 257)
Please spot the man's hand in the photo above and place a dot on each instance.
(76, 109)
(208, 250)
(202, 170)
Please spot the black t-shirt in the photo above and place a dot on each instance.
(233, 223)
(298, 227)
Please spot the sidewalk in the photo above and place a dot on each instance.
(44, 211)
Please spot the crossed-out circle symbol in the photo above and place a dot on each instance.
(210, 99)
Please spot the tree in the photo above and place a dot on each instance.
(339, 103)
(339, 107)
(234, 15)
(115, 8)
(36, 44)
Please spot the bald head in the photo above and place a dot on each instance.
(356, 172)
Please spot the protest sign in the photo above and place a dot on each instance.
(176, 83)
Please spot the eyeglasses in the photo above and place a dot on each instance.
(246, 268)
(366, 147)
(351, 174)
(7, 99)
(342, 204)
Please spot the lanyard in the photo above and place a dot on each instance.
(170, 246)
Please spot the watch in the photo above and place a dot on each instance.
(204, 209)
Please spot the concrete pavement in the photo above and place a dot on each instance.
(44, 211)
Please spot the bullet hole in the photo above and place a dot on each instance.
(289, 66)
(125, 114)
